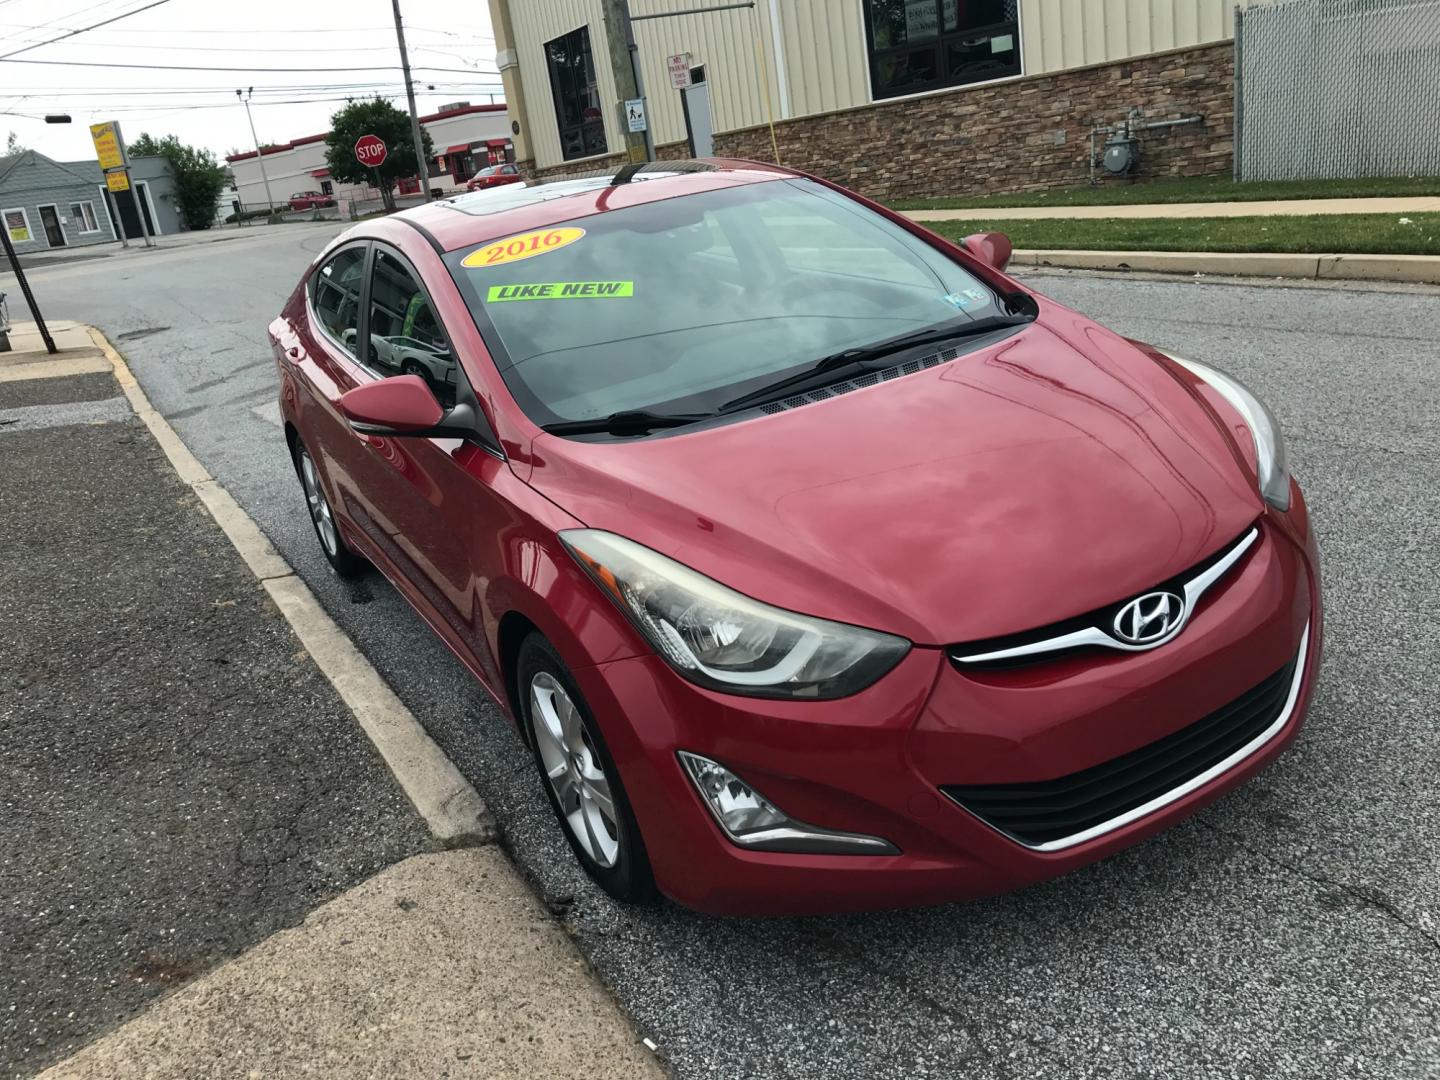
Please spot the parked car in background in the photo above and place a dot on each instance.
(494, 176)
(821, 564)
(310, 200)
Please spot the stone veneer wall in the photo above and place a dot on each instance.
(1023, 135)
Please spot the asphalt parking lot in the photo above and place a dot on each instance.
(1293, 929)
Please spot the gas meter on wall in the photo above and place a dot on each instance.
(1121, 155)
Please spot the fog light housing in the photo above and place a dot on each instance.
(752, 821)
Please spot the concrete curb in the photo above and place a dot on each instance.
(448, 803)
(1413, 269)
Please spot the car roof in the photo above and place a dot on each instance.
(462, 221)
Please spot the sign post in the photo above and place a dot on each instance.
(371, 151)
(24, 284)
(115, 164)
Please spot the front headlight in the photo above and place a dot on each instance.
(1264, 430)
(722, 639)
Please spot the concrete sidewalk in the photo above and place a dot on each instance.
(186, 781)
(444, 965)
(1280, 207)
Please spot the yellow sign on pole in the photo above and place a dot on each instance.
(119, 180)
(106, 137)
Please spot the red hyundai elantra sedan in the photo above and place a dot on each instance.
(821, 565)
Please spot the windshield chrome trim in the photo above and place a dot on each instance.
(1175, 794)
(1193, 589)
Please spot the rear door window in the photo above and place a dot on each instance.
(335, 296)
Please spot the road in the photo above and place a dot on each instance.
(1292, 929)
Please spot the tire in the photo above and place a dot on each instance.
(337, 553)
(608, 846)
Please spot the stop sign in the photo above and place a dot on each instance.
(370, 151)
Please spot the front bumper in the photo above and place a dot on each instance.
(875, 763)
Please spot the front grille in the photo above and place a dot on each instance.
(1046, 813)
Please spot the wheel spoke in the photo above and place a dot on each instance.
(568, 793)
(570, 724)
(596, 850)
(598, 788)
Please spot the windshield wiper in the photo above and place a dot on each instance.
(863, 355)
(628, 422)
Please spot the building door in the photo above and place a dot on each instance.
(50, 218)
(696, 99)
(122, 209)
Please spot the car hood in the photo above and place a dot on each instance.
(1045, 476)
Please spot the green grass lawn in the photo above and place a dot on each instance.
(1196, 189)
(1375, 234)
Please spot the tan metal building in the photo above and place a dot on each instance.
(839, 79)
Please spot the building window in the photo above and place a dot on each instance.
(17, 222)
(327, 188)
(83, 214)
(919, 45)
(577, 98)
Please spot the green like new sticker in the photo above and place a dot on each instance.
(560, 290)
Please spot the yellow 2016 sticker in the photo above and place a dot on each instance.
(560, 290)
(524, 246)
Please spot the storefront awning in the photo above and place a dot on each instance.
(497, 142)
(320, 174)
(461, 148)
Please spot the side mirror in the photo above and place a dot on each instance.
(991, 248)
(403, 405)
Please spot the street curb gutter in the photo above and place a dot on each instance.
(449, 805)
(1413, 269)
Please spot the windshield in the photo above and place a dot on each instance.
(489, 170)
(684, 304)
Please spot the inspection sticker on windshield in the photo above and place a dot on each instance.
(560, 290)
(967, 298)
(523, 246)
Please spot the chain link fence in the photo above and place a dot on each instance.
(1337, 88)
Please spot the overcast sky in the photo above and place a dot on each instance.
(200, 106)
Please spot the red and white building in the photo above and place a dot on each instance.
(465, 138)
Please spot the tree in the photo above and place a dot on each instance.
(13, 145)
(373, 116)
(199, 178)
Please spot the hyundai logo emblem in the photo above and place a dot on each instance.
(1149, 619)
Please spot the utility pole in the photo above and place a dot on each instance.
(629, 84)
(415, 132)
(269, 199)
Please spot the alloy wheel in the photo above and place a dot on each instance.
(318, 505)
(573, 770)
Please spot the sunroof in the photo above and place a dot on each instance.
(511, 196)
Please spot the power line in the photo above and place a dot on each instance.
(170, 91)
(84, 29)
(211, 67)
(235, 48)
(286, 31)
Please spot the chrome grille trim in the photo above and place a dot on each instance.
(1094, 635)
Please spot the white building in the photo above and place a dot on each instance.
(465, 138)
